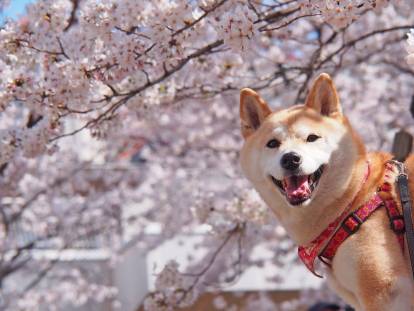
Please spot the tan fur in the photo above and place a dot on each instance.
(369, 270)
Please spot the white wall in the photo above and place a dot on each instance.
(130, 277)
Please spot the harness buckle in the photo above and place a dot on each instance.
(351, 223)
(400, 166)
(397, 224)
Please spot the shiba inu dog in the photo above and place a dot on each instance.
(310, 167)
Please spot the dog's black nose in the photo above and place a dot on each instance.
(290, 161)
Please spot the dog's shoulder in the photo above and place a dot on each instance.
(377, 162)
(409, 164)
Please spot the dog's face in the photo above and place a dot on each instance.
(299, 154)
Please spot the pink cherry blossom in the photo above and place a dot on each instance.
(118, 117)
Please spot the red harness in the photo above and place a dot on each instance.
(327, 243)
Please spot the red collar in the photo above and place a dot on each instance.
(327, 243)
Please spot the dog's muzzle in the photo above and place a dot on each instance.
(298, 188)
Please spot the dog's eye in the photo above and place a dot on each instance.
(273, 143)
(312, 137)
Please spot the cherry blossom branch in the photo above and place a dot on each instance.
(316, 64)
(203, 16)
(276, 16)
(56, 183)
(72, 18)
(399, 67)
(236, 230)
(54, 53)
(291, 21)
(352, 43)
(128, 95)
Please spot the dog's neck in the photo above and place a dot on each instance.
(304, 224)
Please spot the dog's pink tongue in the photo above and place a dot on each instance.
(297, 187)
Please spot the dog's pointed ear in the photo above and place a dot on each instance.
(253, 110)
(323, 97)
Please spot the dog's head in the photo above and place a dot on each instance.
(300, 154)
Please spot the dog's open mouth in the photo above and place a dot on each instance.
(299, 188)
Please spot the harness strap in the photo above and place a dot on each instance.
(397, 223)
(406, 208)
(346, 225)
(309, 253)
(349, 226)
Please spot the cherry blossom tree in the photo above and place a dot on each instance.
(118, 115)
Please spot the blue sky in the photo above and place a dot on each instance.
(15, 9)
